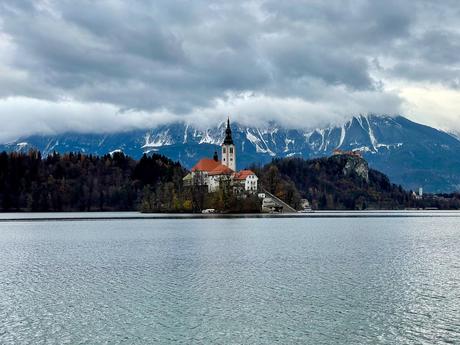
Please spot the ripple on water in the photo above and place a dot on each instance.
(231, 281)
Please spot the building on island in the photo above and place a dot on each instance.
(213, 173)
(209, 172)
(245, 180)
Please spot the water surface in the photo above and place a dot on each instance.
(231, 281)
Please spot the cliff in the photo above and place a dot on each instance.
(352, 165)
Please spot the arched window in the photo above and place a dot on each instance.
(231, 149)
(223, 149)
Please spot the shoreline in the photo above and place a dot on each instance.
(113, 216)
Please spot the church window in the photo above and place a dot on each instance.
(231, 149)
(223, 150)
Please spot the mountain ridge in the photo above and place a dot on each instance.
(411, 154)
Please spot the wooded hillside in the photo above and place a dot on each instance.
(342, 183)
(77, 182)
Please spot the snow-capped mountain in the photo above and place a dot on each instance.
(411, 154)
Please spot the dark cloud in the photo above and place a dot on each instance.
(186, 58)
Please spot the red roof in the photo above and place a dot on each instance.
(211, 167)
(221, 170)
(206, 164)
(243, 174)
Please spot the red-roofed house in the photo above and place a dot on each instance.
(212, 172)
(245, 180)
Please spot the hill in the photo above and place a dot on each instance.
(342, 182)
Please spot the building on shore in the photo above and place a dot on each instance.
(354, 153)
(419, 195)
(213, 173)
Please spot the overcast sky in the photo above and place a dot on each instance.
(99, 66)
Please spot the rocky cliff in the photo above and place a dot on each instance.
(352, 164)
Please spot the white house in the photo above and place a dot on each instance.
(246, 179)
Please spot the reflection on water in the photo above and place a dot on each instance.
(231, 281)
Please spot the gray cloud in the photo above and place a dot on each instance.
(160, 60)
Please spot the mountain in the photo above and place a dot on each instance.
(411, 154)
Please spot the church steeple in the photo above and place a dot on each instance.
(229, 149)
(228, 134)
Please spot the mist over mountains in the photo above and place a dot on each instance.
(411, 154)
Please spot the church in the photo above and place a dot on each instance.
(212, 172)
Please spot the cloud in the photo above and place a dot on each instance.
(434, 104)
(29, 116)
(114, 65)
(50, 117)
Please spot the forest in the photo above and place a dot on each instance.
(322, 182)
(116, 182)
(113, 182)
(77, 182)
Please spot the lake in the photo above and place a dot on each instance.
(387, 279)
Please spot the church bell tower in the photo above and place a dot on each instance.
(228, 149)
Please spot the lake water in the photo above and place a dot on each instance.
(371, 280)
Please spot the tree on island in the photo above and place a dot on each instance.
(77, 182)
